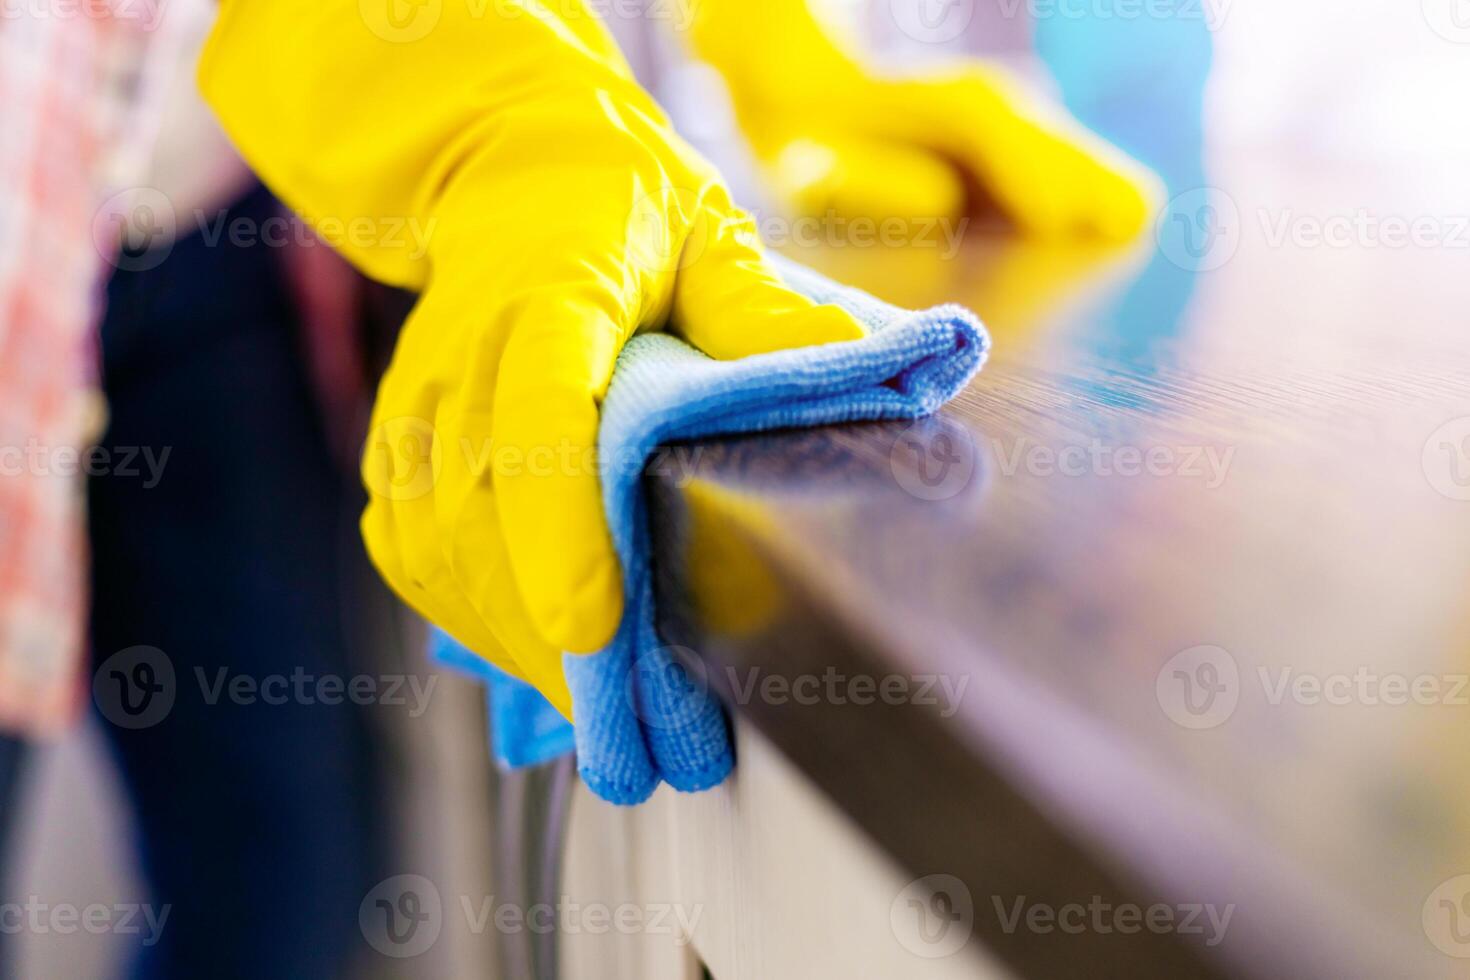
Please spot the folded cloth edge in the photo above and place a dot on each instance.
(907, 367)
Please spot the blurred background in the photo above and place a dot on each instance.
(1245, 96)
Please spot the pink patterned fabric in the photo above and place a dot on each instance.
(65, 73)
(79, 109)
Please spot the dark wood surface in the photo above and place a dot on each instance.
(1302, 414)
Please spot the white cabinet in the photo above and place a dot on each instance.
(758, 879)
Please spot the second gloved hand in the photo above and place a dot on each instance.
(561, 215)
(835, 135)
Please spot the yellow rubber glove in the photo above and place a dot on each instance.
(835, 136)
(560, 214)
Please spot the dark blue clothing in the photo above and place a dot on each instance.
(12, 755)
(260, 824)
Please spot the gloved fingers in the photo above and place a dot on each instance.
(388, 530)
(529, 312)
(1127, 195)
(730, 302)
(859, 177)
(430, 525)
(1068, 183)
(557, 362)
(1050, 175)
(436, 593)
(1039, 182)
(475, 548)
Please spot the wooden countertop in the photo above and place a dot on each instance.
(1186, 572)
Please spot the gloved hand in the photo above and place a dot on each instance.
(835, 135)
(561, 214)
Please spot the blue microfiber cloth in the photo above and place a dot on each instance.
(639, 718)
(525, 730)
